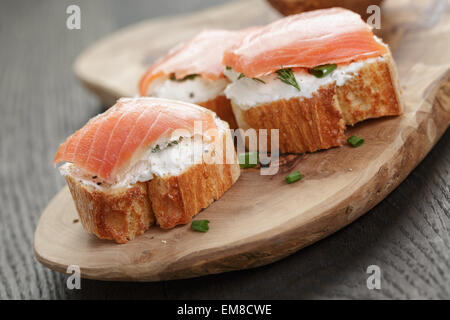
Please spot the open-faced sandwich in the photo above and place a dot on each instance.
(147, 161)
(309, 75)
(193, 72)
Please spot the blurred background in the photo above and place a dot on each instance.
(41, 102)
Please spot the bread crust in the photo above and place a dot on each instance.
(113, 214)
(305, 124)
(121, 214)
(372, 93)
(319, 122)
(222, 107)
(176, 199)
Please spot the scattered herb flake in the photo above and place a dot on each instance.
(256, 79)
(322, 71)
(294, 177)
(259, 80)
(287, 76)
(228, 67)
(355, 141)
(188, 77)
(200, 225)
(156, 148)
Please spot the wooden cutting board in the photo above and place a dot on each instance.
(261, 219)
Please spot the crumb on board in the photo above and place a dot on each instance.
(75, 220)
(164, 241)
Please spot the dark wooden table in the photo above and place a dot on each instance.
(407, 235)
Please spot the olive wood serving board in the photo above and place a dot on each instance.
(261, 218)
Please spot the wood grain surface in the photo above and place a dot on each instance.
(407, 234)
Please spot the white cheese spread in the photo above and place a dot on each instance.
(248, 93)
(195, 90)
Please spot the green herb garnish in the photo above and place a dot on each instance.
(322, 71)
(256, 79)
(355, 141)
(200, 225)
(188, 77)
(293, 177)
(248, 159)
(287, 76)
(228, 67)
(156, 148)
(171, 143)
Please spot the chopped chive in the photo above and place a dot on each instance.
(188, 77)
(355, 141)
(248, 159)
(287, 76)
(293, 177)
(200, 225)
(258, 80)
(322, 71)
(228, 67)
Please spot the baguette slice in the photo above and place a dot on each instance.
(113, 214)
(305, 125)
(319, 122)
(373, 92)
(123, 213)
(222, 107)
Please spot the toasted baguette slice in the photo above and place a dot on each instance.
(373, 92)
(319, 122)
(305, 125)
(114, 214)
(222, 107)
(123, 213)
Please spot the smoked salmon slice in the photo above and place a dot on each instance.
(201, 55)
(108, 142)
(304, 40)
